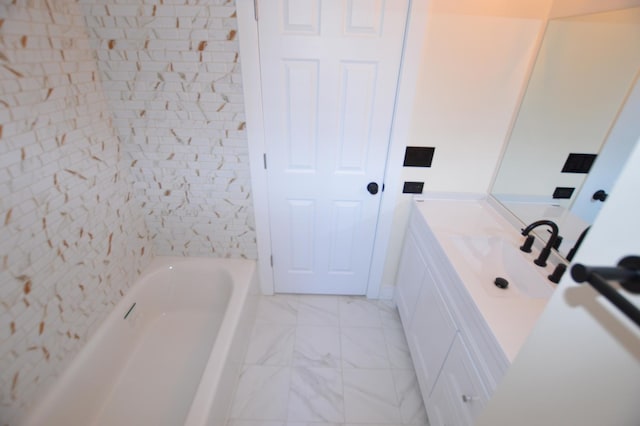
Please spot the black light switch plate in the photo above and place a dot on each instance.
(413, 187)
(563, 192)
(578, 163)
(418, 156)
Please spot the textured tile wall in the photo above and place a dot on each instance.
(70, 240)
(170, 71)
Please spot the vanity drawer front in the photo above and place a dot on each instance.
(411, 271)
(441, 408)
(459, 395)
(431, 333)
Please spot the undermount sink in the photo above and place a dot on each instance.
(491, 257)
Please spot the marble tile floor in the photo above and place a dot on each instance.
(327, 360)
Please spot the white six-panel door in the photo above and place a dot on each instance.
(329, 73)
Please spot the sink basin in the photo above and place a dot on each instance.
(490, 257)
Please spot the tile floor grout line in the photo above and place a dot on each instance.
(290, 363)
(341, 363)
(393, 378)
(290, 366)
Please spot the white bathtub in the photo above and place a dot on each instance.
(174, 359)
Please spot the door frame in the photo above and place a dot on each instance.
(252, 90)
(617, 146)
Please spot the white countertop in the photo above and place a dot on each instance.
(510, 319)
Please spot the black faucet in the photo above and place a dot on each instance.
(575, 248)
(546, 251)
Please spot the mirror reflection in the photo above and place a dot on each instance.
(577, 123)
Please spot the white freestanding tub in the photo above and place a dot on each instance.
(169, 354)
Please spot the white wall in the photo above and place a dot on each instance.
(475, 63)
(472, 73)
(171, 74)
(72, 238)
(581, 364)
(564, 8)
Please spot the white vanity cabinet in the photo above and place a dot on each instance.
(457, 361)
(434, 332)
(411, 272)
(459, 395)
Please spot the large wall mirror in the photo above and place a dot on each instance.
(578, 121)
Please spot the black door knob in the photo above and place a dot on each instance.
(600, 195)
(372, 188)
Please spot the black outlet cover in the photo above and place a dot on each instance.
(418, 156)
(578, 163)
(563, 192)
(413, 187)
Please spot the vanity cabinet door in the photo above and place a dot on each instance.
(459, 395)
(430, 334)
(410, 275)
(441, 408)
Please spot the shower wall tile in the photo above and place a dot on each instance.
(71, 237)
(171, 74)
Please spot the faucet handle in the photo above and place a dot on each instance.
(556, 245)
(528, 243)
(557, 273)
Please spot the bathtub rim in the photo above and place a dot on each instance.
(243, 277)
(200, 411)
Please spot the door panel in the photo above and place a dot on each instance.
(301, 16)
(345, 214)
(302, 113)
(432, 331)
(302, 219)
(459, 381)
(329, 72)
(411, 272)
(364, 17)
(358, 82)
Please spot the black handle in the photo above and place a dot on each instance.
(600, 195)
(372, 188)
(557, 273)
(526, 247)
(627, 273)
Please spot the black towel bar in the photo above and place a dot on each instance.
(627, 273)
